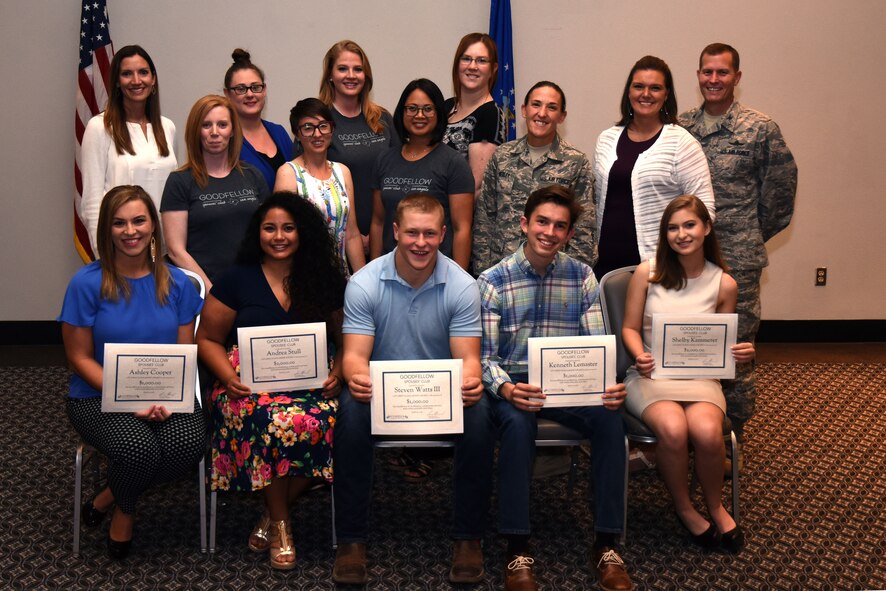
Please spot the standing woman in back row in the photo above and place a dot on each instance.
(363, 129)
(475, 126)
(130, 143)
(640, 165)
(266, 145)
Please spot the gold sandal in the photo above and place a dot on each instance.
(259, 539)
(281, 545)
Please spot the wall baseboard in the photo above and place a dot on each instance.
(48, 332)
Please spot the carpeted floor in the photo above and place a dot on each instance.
(813, 496)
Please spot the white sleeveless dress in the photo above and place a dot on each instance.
(698, 297)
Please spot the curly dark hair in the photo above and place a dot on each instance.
(316, 283)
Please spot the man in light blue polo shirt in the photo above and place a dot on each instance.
(412, 303)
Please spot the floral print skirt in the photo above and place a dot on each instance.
(269, 434)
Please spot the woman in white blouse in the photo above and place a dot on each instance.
(129, 143)
(640, 165)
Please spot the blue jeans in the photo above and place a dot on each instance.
(353, 457)
(517, 430)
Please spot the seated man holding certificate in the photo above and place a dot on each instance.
(539, 291)
(411, 304)
(688, 276)
(129, 295)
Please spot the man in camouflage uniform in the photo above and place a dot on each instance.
(518, 168)
(755, 182)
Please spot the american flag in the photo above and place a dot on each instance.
(96, 52)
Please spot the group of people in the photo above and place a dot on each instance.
(281, 233)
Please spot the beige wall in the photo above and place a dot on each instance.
(815, 67)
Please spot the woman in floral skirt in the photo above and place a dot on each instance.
(287, 272)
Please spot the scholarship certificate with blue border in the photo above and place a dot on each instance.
(688, 346)
(572, 371)
(138, 376)
(283, 357)
(416, 397)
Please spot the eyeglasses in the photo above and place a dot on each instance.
(309, 128)
(467, 60)
(241, 89)
(426, 110)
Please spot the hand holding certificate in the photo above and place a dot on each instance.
(416, 397)
(136, 377)
(688, 346)
(284, 357)
(572, 371)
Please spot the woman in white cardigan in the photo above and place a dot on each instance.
(129, 143)
(640, 165)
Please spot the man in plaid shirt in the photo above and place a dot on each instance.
(539, 291)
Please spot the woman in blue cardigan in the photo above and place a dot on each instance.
(266, 145)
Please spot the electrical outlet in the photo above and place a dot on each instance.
(821, 276)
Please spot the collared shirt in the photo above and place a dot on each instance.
(754, 177)
(408, 322)
(510, 177)
(517, 304)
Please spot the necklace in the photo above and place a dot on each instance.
(415, 155)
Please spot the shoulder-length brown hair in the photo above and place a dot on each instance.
(115, 114)
(668, 270)
(463, 45)
(195, 162)
(113, 284)
(372, 112)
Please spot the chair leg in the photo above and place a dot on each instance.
(573, 468)
(332, 502)
(78, 481)
(735, 485)
(212, 509)
(201, 488)
(624, 531)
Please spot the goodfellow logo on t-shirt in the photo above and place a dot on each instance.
(365, 138)
(228, 197)
(403, 183)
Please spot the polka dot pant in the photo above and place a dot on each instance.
(140, 453)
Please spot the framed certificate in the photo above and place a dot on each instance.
(689, 346)
(572, 371)
(137, 376)
(283, 357)
(416, 397)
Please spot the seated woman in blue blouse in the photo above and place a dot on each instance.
(129, 295)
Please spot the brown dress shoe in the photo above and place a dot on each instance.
(518, 574)
(467, 562)
(610, 569)
(350, 565)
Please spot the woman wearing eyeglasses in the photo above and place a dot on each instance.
(423, 165)
(266, 145)
(363, 129)
(324, 183)
(207, 202)
(475, 126)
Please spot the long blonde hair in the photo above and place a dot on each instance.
(113, 284)
(372, 112)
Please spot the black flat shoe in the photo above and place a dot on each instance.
(708, 539)
(91, 516)
(733, 540)
(118, 550)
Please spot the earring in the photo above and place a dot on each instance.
(154, 89)
(665, 111)
(153, 249)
